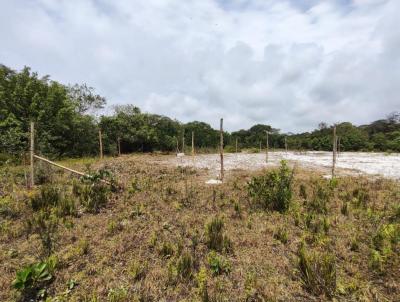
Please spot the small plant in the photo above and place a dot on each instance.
(45, 225)
(273, 190)
(137, 270)
(320, 198)
(30, 280)
(114, 226)
(281, 235)
(361, 197)
(218, 264)
(345, 209)
(303, 191)
(167, 250)
(201, 280)
(317, 271)
(184, 265)
(83, 247)
(215, 238)
(119, 294)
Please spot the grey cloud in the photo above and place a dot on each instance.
(287, 63)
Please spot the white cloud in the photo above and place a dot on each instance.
(290, 64)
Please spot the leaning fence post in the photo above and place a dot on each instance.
(100, 144)
(334, 152)
(31, 152)
(221, 149)
(192, 143)
(183, 142)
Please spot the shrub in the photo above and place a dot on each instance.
(273, 190)
(320, 198)
(317, 271)
(30, 280)
(215, 238)
(218, 264)
(48, 196)
(361, 197)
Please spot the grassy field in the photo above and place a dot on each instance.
(162, 234)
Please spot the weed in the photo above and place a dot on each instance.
(48, 196)
(45, 225)
(320, 198)
(201, 280)
(30, 280)
(215, 238)
(273, 190)
(114, 226)
(167, 250)
(185, 265)
(318, 272)
(345, 208)
(303, 191)
(361, 197)
(119, 294)
(137, 270)
(281, 235)
(83, 247)
(218, 264)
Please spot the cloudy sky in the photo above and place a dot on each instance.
(289, 63)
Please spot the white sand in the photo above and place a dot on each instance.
(381, 164)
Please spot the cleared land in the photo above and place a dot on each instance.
(167, 236)
(348, 163)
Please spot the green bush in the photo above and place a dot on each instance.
(317, 271)
(45, 224)
(273, 190)
(48, 196)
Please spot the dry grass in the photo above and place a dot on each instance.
(150, 241)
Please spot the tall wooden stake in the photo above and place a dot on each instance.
(183, 141)
(285, 145)
(266, 152)
(119, 146)
(100, 144)
(177, 146)
(334, 152)
(192, 143)
(32, 153)
(338, 145)
(221, 150)
(236, 145)
(260, 146)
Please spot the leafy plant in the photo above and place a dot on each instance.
(273, 190)
(30, 280)
(185, 265)
(44, 224)
(218, 264)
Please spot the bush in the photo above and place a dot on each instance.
(273, 190)
(320, 199)
(48, 196)
(317, 271)
(215, 238)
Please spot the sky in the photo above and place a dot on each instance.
(290, 64)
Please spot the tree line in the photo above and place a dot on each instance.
(67, 125)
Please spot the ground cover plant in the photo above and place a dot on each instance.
(162, 234)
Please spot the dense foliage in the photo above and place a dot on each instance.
(66, 125)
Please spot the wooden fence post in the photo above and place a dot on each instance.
(32, 152)
(192, 143)
(260, 146)
(334, 152)
(119, 146)
(183, 142)
(266, 149)
(100, 144)
(236, 145)
(285, 145)
(221, 150)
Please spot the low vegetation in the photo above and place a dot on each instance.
(155, 232)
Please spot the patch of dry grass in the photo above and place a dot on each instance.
(151, 240)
